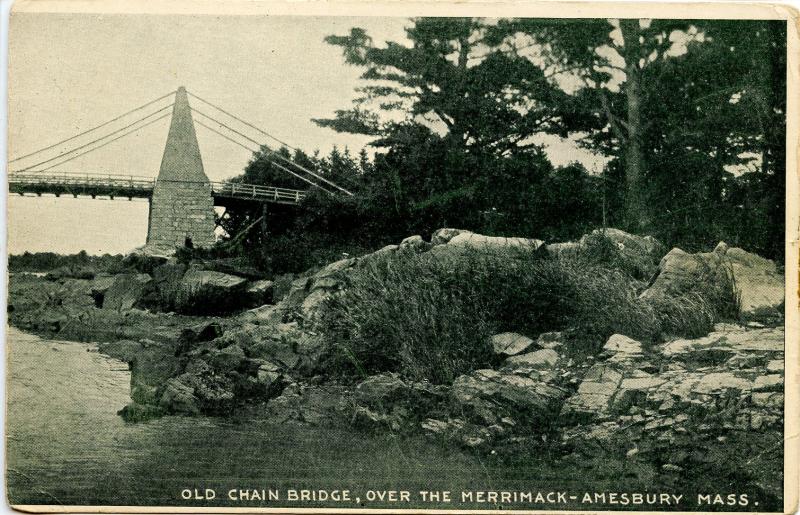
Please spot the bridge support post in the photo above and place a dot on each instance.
(264, 218)
(181, 207)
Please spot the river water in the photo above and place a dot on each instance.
(66, 445)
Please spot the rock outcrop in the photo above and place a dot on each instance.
(488, 396)
(510, 344)
(648, 396)
(735, 373)
(757, 281)
(127, 291)
(212, 283)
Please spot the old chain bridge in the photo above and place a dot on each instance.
(181, 197)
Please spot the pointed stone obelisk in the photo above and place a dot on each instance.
(181, 208)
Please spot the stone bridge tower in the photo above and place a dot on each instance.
(182, 206)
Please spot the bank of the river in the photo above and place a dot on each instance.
(66, 446)
(541, 410)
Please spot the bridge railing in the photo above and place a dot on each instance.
(257, 192)
(81, 180)
(59, 182)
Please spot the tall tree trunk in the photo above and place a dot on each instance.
(636, 213)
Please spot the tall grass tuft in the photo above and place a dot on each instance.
(430, 315)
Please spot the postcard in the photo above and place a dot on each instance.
(433, 257)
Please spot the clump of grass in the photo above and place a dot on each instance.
(417, 316)
(429, 316)
(690, 315)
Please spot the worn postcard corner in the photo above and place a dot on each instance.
(432, 257)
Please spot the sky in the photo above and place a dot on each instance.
(71, 72)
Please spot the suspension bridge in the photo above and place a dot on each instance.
(181, 197)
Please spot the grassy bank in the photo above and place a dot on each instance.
(430, 315)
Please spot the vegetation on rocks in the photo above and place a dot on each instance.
(429, 316)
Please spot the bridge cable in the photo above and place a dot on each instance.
(94, 141)
(261, 144)
(265, 133)
(267, 149)
(198, 122)
(93, 128)
(151, 122)
(276, 154)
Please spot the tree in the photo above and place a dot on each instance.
(450, 80)
(612, 59)
(457, 117)
(676, 104)
(718, 119)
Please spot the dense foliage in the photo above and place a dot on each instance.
(689, 117)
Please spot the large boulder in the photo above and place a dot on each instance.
(126, 291)
(757, 281)
(483, 242)
(466, 243)
(761, 286)
(206, 291)
(681, 272)
(510, 344)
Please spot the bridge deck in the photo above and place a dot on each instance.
(129, 186)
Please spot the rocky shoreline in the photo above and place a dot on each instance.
(656, 402)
